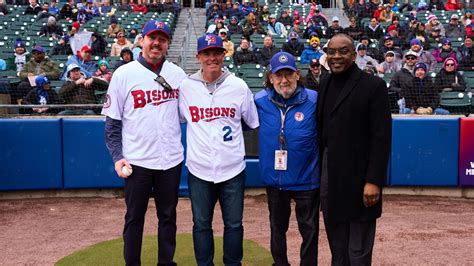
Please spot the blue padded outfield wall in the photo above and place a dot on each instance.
(31, 154)
(425, 151)
(70, 153)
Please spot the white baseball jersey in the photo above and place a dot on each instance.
(215, 143)
(151, 134)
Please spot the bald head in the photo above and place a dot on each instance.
(344, 38)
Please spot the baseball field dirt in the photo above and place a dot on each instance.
(414, 230)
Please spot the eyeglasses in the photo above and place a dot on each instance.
(449, 64)
(410, 58)
(341, 51)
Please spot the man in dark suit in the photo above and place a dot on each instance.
(355, 130)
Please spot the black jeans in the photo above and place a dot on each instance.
(307, 216)
(163, 185)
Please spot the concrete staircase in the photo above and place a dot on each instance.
(196, 18)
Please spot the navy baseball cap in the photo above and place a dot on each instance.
(282, 60)
(209, 41)
(38, 49)
(156, 25)
(41, 81)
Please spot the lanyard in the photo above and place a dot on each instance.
(281, 137)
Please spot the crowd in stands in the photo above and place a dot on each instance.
(394, 40)
(85, 69)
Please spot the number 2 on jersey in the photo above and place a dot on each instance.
(228, 131)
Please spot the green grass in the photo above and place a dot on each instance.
(111, 253)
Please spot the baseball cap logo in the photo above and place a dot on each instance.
(211, 39)
(283, 59)
(159, 25)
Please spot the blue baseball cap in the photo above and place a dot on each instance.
(415, 42)
(282, 60)
(156, 25)
(41, 81)
(38, 49)
(209, 41)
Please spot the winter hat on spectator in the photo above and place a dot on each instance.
(390, 52)
(20, 43)
(314, 39)
(296, 13)
(454, 16)
(361, 46)
(446, 41)
(76, 25)
(415, 42)
(156, 25)
(65, 38)
(126, 50)
(70, 68)
(113, 20)
(431, 17)
(293, 36)
(38, 49)
(420, 65)
(41, 81)
(282, 60)
(209, 41)
(387, 37)
(451, 59)
(391, 27)
(103, 62)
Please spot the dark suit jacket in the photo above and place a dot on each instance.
(358, 145)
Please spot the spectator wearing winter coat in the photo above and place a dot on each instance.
(121, 43)
(465, 54)
(374, 30)
(51, 29)
(372, 51)
(353, 30)
(103, 71)
(53, 8)
(44, 12)
(449, 78)
(235, 12)
(244, 54)
(33, 9)
(285, 18)
(387, 14)
(452, 5)
(445, 51)
(266, 53)
(420, 34)
(422, 97)
(424, 56)
(113, 28)
(391, 64)
(228, 44)
(42, 94)
(312, 30)
(454, 30)
(362, 59)
(77, 89)
(315, 74)
(252, 25)
(82, 58)
(436, 5)
(393, 33)
(334, 29)
(276, 28)
(234, 27)
(139, 7)
(126, 56)
(388, 45)
(62, 47)
(293, 45)
(434, 24)
(312, 51)
(246, 8)
(318, 19)
(20, 56)
(402, 79)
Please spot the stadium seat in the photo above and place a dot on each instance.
(456, 102)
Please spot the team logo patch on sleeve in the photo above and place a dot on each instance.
(299, 116)
(107, 101)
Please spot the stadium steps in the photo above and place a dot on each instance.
(197, 21)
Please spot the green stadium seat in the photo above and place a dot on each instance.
(455, 102)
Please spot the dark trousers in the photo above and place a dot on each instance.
(204, 196)
(351, 242)
(307, 216)
(164, 186)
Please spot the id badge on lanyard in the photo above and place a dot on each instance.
(281, 155)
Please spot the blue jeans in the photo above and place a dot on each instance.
(204, 196)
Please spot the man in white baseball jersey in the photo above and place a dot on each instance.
(214, 103)
(143, 134)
